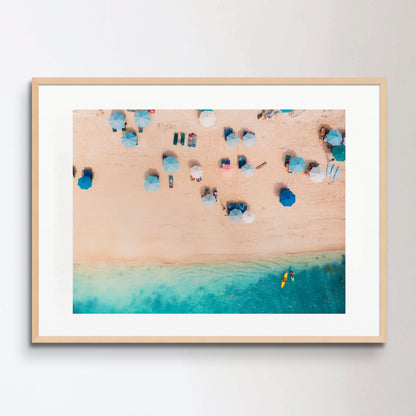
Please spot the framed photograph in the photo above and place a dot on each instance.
(208, 210)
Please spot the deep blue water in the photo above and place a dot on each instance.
(243, 287)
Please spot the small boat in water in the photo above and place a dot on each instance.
(284, 279)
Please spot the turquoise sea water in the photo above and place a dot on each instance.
(240, 287)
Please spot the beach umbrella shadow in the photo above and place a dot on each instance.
(290, 153)
(278, 187)
(193, 162)
(151, 172)
(169, 153)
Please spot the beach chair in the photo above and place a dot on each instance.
(170, 182)
(242, 160)
(175, 139)
(243, 208)
(225, 162)
(227, 132)
(140, 129)
(206, 191)
(87, 172)
(215, 193)
(114, 130)
(190, 140)
(194, 137)
(124, 128)
(182, 139)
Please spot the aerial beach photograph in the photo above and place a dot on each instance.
(209, 211)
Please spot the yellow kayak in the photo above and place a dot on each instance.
(284, 280)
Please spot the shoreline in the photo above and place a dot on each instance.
(294, 257)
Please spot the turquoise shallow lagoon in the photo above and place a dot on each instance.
(237, 287)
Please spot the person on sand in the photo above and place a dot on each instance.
(287, 160)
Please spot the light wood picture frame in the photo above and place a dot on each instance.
(47, 328)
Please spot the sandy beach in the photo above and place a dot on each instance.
(117, 220)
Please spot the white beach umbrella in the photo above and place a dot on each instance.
(249, 217)
(249, 139)
(209, 200)
(207, 118)
(317, 174)
(235, 215)
(232, 140)
(196, 171)
(248, 170)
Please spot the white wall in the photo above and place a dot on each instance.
(206, 38)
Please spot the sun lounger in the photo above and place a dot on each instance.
(194, 137)
(140, 129)
(242, 160)
(190, 137)
(175, 139)
(124, 128)
(227, 132)
(206, 191)
(114, 130)
(182, 139)
(215, 193)
(170, 181)
(87, 172)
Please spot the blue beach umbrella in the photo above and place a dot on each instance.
(209, 200)
(170, 164)
(129, 140)
(339, 153)
(297, 164)
(235, 215)
(232, 140)
(117, 121)
(142, 118)
(152, 183)
(85, 182)
(287, 198)
(249, 139)
(334, 137)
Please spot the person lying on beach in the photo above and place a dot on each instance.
(287, 160)
(323, 133)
